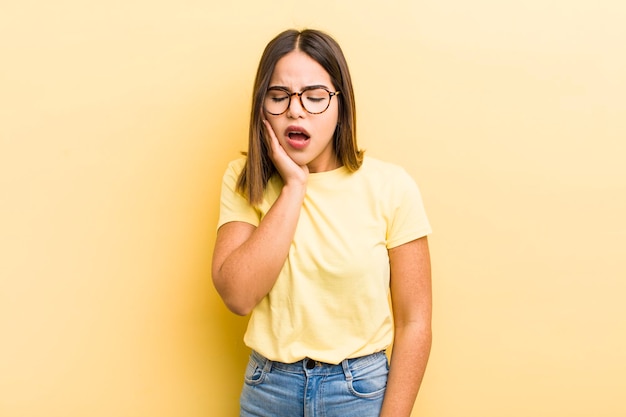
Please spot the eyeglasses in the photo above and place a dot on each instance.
(314, 99)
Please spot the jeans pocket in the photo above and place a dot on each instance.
(255, 373)
(370, 381)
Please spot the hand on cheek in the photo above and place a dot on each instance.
(287, 168)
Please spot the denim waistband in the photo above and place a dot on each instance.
(310, 366)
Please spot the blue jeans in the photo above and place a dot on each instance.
(354, 388)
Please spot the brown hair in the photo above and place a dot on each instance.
(325, 51)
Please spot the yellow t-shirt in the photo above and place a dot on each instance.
(330, 301)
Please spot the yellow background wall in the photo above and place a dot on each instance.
(117, 119)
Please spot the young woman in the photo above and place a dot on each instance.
(312, 239)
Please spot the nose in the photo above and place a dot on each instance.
(296, 110)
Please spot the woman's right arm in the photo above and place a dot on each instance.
(248, 259)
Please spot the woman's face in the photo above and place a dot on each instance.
(307, 138)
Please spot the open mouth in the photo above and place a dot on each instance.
(297, 137)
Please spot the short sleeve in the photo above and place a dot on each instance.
(233, 205)
(407, 220)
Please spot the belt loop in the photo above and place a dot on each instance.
(267, 367)
(262, 361)
(346, 369)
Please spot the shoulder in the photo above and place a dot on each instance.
(383, 170)
(390, 182)
(234, 169)
(237, 165)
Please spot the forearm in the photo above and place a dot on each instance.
(409, 357)
(249, 272)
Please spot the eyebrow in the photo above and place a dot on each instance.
(308, 87)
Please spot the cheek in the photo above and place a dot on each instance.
(274, 125)
(330, 124)
(334, 114)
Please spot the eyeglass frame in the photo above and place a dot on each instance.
(299, 94)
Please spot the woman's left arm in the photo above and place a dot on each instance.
(411, 298)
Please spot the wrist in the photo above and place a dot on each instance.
(295, 190)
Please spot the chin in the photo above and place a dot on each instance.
(298, 158)
(301, 161)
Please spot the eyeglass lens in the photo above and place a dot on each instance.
(315, 100)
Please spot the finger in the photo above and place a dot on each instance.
(272, 136)
(277, 152)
